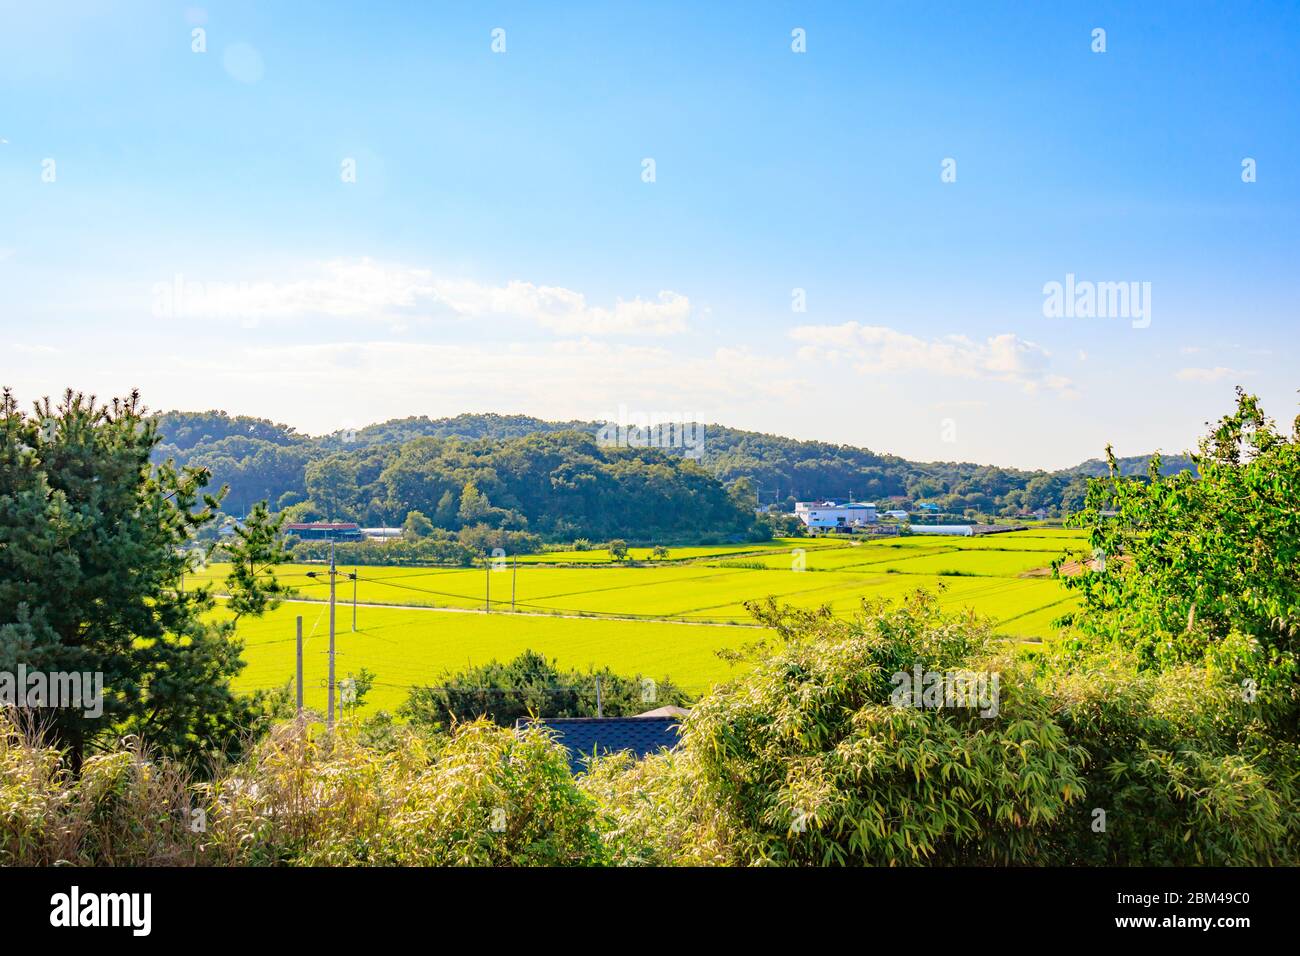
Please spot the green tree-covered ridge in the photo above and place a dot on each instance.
(555, 477)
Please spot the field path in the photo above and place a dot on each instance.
(594, 616)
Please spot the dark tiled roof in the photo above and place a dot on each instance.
(583, 736)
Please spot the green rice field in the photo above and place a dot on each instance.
(637, 617)
(602, 556)
(406, 648)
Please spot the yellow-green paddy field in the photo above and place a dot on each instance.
(658, 618)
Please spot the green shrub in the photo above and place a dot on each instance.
(533, 684)
(810, 762)
(1180, 762)
(806, 760)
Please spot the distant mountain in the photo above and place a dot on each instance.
(188, 430)
(260, 459)
(468, 426)
(1135, 465)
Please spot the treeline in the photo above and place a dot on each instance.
(558, 485)
(788, 470)
(551, 478)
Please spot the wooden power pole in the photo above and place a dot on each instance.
(300, 665)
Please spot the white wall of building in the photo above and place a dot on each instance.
(828, 515)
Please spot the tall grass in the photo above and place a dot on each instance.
(483, 795)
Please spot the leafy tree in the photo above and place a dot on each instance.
(618, 549)
(483, 540)
(302, 511)
(659, 553)
(786, 526)
(1179, 761)
(743, 493)
(417, 525)
(474, 505)
(92, 550)
(332, 485)
(288, 499)
(1203, 570)
(445, 514)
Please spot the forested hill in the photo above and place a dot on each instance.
(555, 479)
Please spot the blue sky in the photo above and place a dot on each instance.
(500, 250)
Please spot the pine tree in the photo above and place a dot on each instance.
(94, 544)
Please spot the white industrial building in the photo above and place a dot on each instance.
(835, 515)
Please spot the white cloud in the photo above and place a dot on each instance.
(317, 385)
(22, 349)
(876, 349)
(368, 290)
(1216, 374)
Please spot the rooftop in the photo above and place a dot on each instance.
(831, 503)
(583, 736)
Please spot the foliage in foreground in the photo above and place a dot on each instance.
(533, 684)
(805, 760)
(483, 796)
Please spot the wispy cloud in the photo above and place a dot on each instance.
(561, 379)
(877, 349)
(365, 289)
(1205, 375)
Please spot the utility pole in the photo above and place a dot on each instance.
(487, 591)
(354, 600)
(300, 666)
(598, 709)
(514, 574)
(333, 571)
